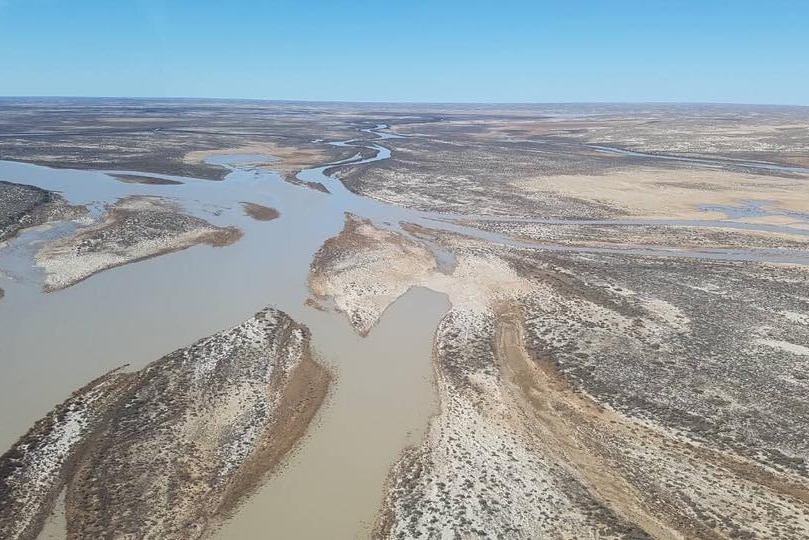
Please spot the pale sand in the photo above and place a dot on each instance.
(655, 193)
(288, 160)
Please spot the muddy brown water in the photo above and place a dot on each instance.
(52, 344)
(332, 486)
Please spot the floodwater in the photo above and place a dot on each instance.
(332, 486)
(52, 344)
(383, 395)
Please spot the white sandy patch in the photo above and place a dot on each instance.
(793, 348)
(800, 318)
(378, 266)
(64, 266)
(112, 243)
(484, 473)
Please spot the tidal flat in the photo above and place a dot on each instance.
(484, 321)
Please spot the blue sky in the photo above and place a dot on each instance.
(495, 51)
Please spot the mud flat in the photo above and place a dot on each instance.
(355, 270)
(647, 191)
(288, 161)
(259, 212)
(23, 206)
(151, 180)
(362, 248)
(169, 450)
(132, 229)
(605, 396)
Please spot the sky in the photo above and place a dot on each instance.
(743, 51)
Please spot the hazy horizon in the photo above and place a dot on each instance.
(380, 102)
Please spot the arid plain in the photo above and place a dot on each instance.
(246, 319)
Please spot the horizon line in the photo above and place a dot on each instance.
(419, 102)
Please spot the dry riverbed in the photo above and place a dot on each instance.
(259, 212)
(144, 179)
